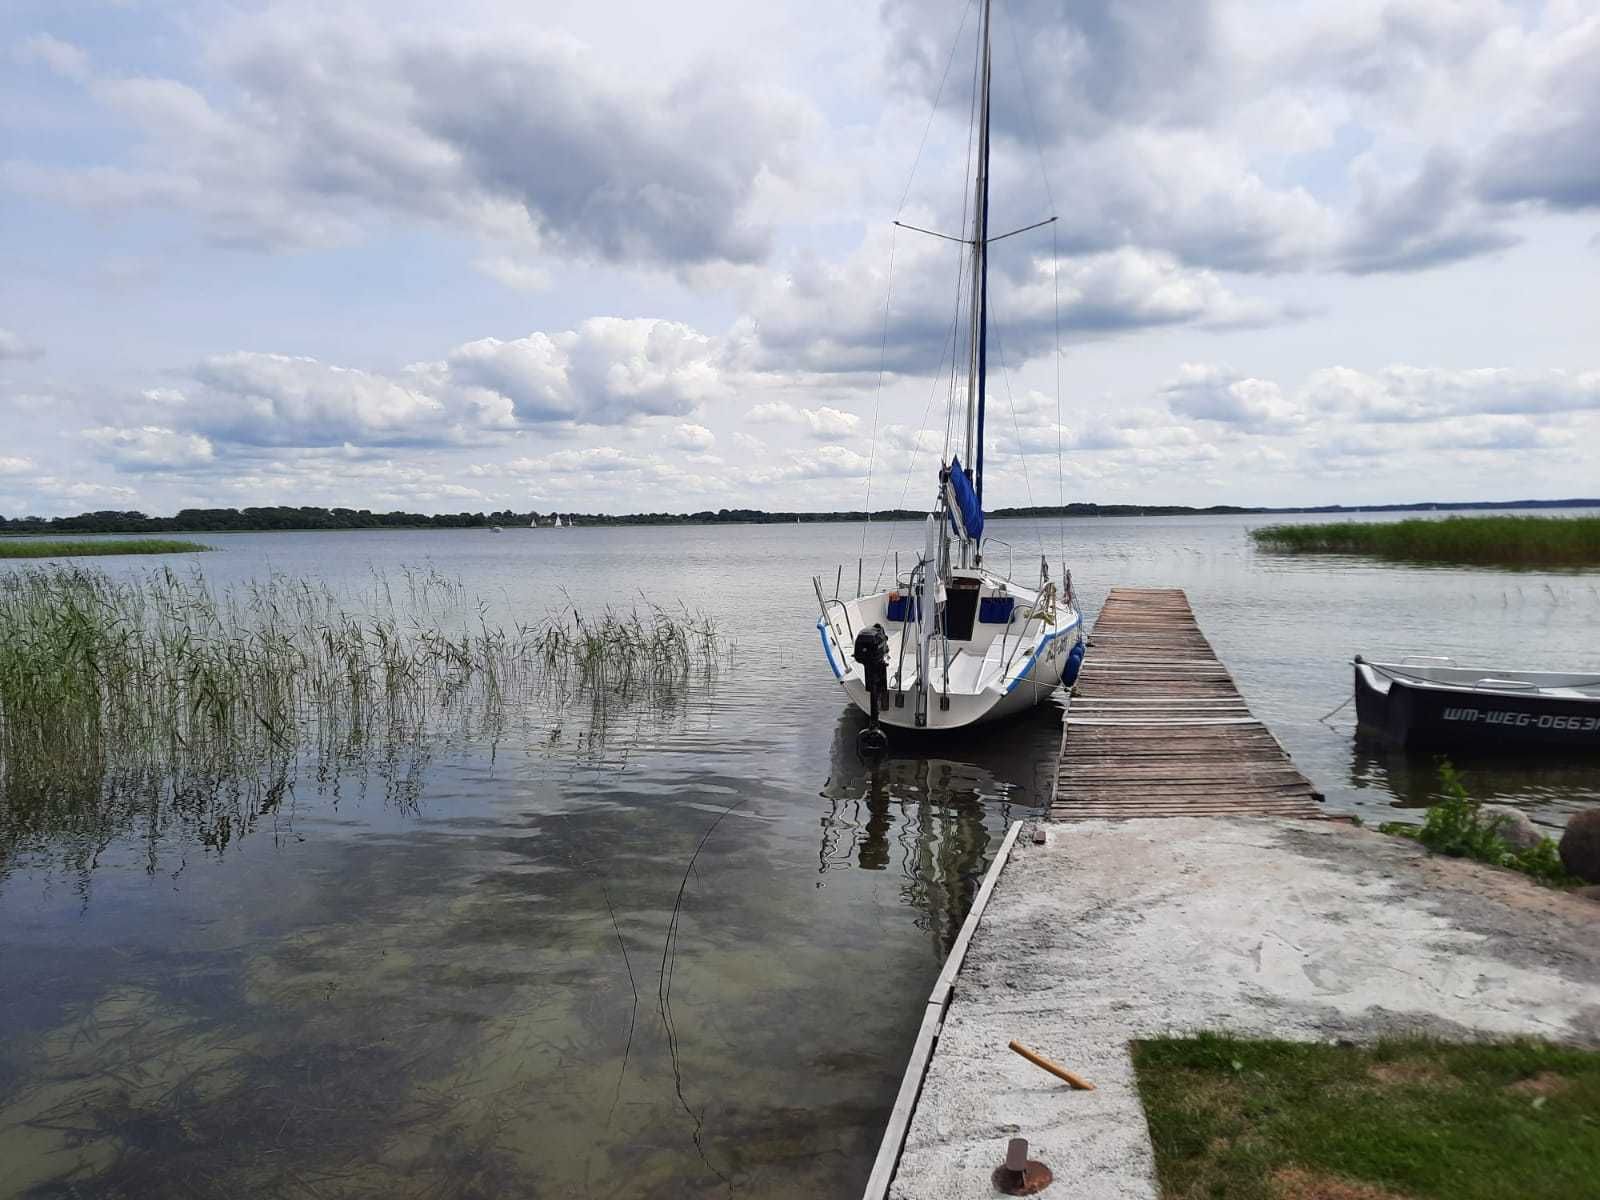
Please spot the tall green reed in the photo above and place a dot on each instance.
(114, 691)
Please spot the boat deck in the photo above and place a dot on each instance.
(1157, 727)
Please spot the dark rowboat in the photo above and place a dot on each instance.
(1439, 705)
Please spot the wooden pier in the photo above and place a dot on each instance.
(1157, 727)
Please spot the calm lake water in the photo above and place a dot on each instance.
(460, 974)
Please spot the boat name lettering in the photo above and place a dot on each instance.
(1501, 717)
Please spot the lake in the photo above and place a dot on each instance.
(488, 968)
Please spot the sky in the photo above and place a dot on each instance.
(607, 257)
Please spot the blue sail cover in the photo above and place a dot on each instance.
(966, 514)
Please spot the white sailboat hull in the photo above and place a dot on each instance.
(1003, 669)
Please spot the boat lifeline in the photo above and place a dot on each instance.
(1437, 704)
(956, 642)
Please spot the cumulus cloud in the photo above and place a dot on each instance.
(1211, 393)
(829, 317)
(15, 346)
(691, 437)
(1363, 137)
(605, 372)
(824, 423)
(314, 126)
(11, 464)
(1547, 150)
(279, 400)
(150, 447)
(1407, 393)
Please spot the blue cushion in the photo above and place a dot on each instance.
(902, 607)
(996, 610)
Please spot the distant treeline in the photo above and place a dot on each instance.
(221, 520)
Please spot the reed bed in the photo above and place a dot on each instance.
(159, 689)
(36, 548)
(1495, 540)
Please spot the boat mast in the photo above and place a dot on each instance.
(981, 254)
(978, 333)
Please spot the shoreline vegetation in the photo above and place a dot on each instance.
(78, 548)
(1496, 540)
(284, 517)
(1458, 827)
(130, 701)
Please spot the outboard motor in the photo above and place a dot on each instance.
(872, 652)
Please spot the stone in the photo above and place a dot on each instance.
(1592, 892)
(1580, 846)
(1516, 829)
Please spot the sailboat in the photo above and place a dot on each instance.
(955, 642)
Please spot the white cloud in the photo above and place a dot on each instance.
(829, 317)
(11, 464)
(316, 124)
(276, 399)
(1406, 393)
(15, 346)
(824, 423)
(63, 58)
(605, 372)
(687, 436)
(1211, 393)
(150, 447)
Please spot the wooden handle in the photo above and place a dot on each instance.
(1056, 1069)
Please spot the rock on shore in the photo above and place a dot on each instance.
(1580, 846)
(1516, 829)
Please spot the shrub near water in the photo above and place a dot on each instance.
(117, 689)
(1456, 826)
(1497, 539)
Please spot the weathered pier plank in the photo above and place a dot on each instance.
(1157, 727)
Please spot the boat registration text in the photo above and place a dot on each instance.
(1544, 721)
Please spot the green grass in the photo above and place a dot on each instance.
(33, 548)
(1268, 1120)
(1457, 826)
(1503, 541)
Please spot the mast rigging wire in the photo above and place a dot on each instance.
(883, 347)
(877, 400)
(1055, 282)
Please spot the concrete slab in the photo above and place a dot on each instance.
(1116, 930)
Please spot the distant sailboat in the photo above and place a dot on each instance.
(955, 643)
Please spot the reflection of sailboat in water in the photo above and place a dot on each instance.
(934, 819)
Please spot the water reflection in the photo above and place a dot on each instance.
(1549, 786)
(931, 810)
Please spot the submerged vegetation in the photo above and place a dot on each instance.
(1458, 827)
(1401, 1118)
(78, 548)
(139, 700)
(1497, 540)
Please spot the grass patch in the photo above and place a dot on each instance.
(1457, 826)
(1504, 541)
(1268, 1120)
(33, 548)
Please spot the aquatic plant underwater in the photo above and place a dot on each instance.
(142, 700)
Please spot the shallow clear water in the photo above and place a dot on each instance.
(461, 975)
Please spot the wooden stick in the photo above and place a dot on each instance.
(1056, 1069)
